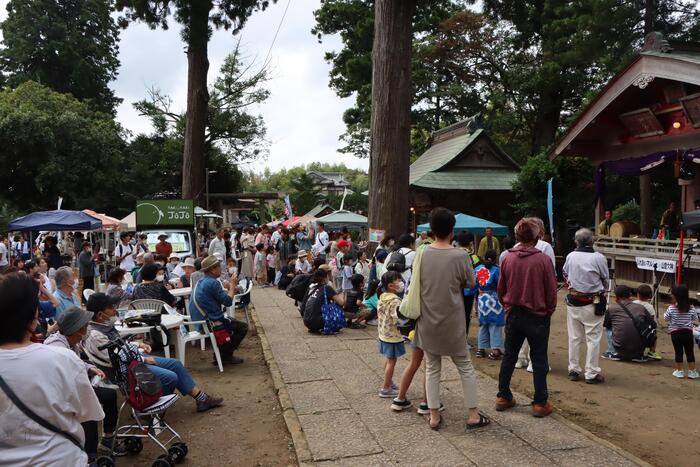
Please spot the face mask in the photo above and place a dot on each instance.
(76, 284)
(160, 278)
(232, 270)
(401, 288)
(112, 320)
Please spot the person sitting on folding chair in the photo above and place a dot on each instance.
(207, 302)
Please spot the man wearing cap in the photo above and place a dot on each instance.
(302, 265)
(207, 302)
(163, 247)
(626, 340)
(72, 329)
(171, 373)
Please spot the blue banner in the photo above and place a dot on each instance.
(550, 208)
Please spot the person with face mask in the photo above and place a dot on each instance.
(50, 380)
(171, 373)
(72, 331)
(153, 285)
(66, 289)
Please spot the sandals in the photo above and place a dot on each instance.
(480, 353)
(436, 427)
(483, 421)
(495, 356)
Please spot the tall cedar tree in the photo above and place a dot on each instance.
(198, 18)
(68, 45)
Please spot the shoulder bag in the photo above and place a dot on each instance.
(410, 305)
(31, 414)
(645, 325)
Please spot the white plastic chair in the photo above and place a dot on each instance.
(231, 311)
(192, 331)
(87, 293)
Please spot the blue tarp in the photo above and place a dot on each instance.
(473, 224)
(55, 220)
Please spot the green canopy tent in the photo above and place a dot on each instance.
(344, 219)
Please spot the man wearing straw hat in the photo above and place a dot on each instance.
(207, 302)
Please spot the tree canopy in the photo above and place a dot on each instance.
(70, 46)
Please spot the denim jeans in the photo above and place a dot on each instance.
(609, 339)
(172, 375)
(521, 325)
(491, 336)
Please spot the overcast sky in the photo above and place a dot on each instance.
(303, 116)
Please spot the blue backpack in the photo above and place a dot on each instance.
(333, 316)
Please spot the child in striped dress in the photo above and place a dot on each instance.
(680, 317)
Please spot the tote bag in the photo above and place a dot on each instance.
(410, 305)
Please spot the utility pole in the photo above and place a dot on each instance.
(391, 115)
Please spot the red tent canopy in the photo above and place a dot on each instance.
(293, 220)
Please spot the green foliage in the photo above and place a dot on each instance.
(53, 145)
(70, 46)
(573, 189)
(629, 211)
(231, 129)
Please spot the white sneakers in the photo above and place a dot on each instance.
(692, 374)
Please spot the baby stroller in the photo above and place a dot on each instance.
(148, 423)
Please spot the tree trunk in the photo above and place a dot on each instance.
(649, 14)
(193, 157)
(547, 120)
(391, 116)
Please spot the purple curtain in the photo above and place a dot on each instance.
(639, 166)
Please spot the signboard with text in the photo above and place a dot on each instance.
(165, 212)
(376, 235)
(659, 265)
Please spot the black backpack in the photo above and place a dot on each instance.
(396, 261)
(298, 287)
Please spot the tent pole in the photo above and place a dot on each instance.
(679, 272)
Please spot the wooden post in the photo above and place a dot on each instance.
(391, 115)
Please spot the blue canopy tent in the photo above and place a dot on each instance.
(473, 224)
(59, 220)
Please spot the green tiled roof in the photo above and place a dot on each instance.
(683, 55)
(472, 179)
(440, 154)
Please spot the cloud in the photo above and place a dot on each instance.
(303, 116)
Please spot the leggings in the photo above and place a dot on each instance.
(683, 341)
(108, 401)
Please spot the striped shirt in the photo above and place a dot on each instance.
(678, 320)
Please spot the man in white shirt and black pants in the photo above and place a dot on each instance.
(322, 241)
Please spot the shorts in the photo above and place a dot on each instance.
(391, 349)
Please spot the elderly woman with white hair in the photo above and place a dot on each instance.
(586, 274)
(66, 289)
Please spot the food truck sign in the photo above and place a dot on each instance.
(655, 264)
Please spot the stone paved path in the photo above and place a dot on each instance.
(328, 388)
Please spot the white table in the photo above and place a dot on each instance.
(183, 292)
(166, 322)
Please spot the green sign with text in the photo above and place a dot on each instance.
(151, 212)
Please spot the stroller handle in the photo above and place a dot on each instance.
(114, 343)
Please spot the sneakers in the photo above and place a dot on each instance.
(679, 374)
(397, 405)
(541, 410)
(574, 376)
(504, 404)
(521, 364)
(642, 359)
(597, 380)
(209, 403)
(611, 356)
(112, 447)
(423, 408)
(693, 374)
(654, 355)
(388, 393)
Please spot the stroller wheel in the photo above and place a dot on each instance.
(163, 461)
(177, 454)
(104, 461)
(133, 445)
(182, 446)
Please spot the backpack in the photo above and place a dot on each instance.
(645, 325)
(298, 287)
(143, 386)
(396, 261)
